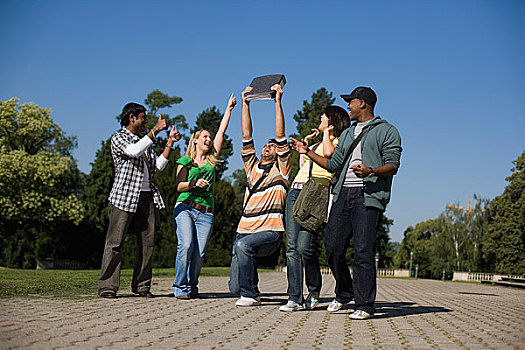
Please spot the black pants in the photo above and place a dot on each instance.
(350, 217)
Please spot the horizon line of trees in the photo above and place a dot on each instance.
(487, 237)
(49, 209)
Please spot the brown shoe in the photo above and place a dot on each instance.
(183, 297)
(146, 294)
(108, 294)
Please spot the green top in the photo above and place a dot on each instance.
(198, 195)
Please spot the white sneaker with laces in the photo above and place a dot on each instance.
(246, 301)
(360, 315)
(290, 306)
(311, 302)
(334, 306)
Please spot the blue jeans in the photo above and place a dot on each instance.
(193, 230)
(301, 251)
(246, 249)
(349, 216)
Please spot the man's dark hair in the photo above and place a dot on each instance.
(338, 117)
(128, 110)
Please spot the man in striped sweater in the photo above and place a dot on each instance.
(261, 227)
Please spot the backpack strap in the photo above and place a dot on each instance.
(353, 145)
(314, 147)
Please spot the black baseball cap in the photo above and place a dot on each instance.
(363, 93)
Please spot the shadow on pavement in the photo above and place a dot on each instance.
(399, 309)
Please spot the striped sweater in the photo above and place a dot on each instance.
(265, 209)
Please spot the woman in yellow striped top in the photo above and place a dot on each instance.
(301, 247)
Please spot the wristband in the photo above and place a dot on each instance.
(168, 146)
(371, 172)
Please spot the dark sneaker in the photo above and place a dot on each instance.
(146, 294)
(108, 294)
(311, 302)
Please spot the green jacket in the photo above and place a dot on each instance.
(379, 146)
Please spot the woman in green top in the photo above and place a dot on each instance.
(193, 213)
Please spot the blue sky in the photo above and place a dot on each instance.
(449, 75)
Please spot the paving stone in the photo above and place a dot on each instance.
(411, 314)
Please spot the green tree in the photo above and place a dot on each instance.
(451, 242)
(390, 254)
(224, 225)
(39, 183)
(504, 246)
(465, 229)
(157, 100)
(165, 238)
(309, 117)
(416, 240)
(97, 186)
(382, 241)
(239, 182)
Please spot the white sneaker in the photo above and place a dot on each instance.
(359, 315)
(311, 302)
(334, 306)
(245, 301)
(290, 306)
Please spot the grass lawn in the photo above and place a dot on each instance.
(72, 283)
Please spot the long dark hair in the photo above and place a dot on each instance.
(338, 117)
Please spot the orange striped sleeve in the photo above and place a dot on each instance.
(284, 157)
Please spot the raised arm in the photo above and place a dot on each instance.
(302, 148)
(246, 117)
(328, 145)
(279, 116)
(173, 137)
(307, 139)
(136, 149)
(219, 137)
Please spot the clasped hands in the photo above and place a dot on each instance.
(276, 87)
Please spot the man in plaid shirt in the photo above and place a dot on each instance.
(134, 200)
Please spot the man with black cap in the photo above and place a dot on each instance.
(361, 194)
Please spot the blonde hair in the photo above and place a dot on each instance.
(191, 151)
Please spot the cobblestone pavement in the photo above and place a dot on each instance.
(412, 314)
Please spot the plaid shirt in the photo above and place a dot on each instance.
(129, 173)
